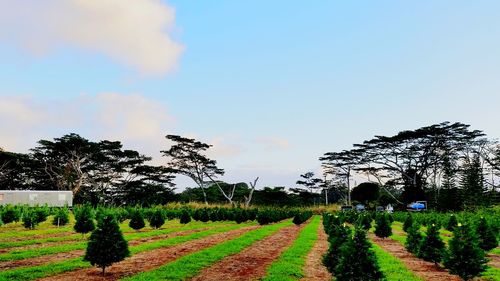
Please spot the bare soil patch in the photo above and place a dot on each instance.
(313, 268)
(77, 253)
(149, 260)
(423, 269)
(251, 263)
(494, 260)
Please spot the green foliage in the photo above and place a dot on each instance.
(338, 235)
(452, 222)
(84, 217)
(464, 257)
(136, 219)
(30, 219)
(431, 246)
(157, 218)
(364, 221)
(366, 192)
(382, 226)
(357, 260)
(267, 216)
(61, 217)
(301, 217)
(11, 214)
(408, 222)
(106, 243)
(413, 238)
(486, 235)
(185, 217)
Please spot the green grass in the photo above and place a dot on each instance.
(491, 274)
(392, 267)
(495, 251)
(190, 265)
(289, 266)
(50, 269)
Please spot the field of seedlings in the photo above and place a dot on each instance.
(221, 243)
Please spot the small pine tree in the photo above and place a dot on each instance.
(337, 237)
(157, 218)
(357, 261)
(136, 220)
(84, 217)
(30, 219)
(383, 226)
(486, 235)
(364, 221)
(61, 217)
(106, 243)
(452, 223)
(413, 238)
(408, 222)
(464, 257)
(185, 217)
(204, 217)
(431, 246)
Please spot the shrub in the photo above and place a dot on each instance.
(486, 235)
(464, 257)
(185, 217)
(452, 223)
(61, 217)
(11, 214)
(41, 213)
(364, 221)
(301, 217)
(30, 219)
(383, 226)
(84, 217)
(136, 219)
(357, 260)
(338, 236)
(431, 246)
(157, 218)
(413, 238)
(408, 222)
(106, 243)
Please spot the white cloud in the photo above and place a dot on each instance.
(271, 143)
(132, 32)
(139, 122)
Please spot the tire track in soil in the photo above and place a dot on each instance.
(423, 269)
(148, 260)
(45, 259)
(313, 268)
(252, 262)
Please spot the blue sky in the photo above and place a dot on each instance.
(272, 84)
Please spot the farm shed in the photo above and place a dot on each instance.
(36, 197)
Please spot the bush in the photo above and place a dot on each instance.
(30, 219)
(136, 220)
(185, 217)
(364, 221)
(11, 214)
(106, 243)
(41, 213)
(383, 226)
(452, 223)
(339, 234)
(301, 217)
(464, 257)
(61, 217)
(408, 222)
(157, 218)
(431, 246)
(413, 238)
(486, 235)
(357, 260)
(84, 217)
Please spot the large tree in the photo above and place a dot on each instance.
(187, 157)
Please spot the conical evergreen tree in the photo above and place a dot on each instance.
(452, 223)
(357, 261)
(338, 236)
(157, 218)
(364, 221)
(106, 243)
(431, 246)
(413, 238)
(383, 226)
(408, 222)
(84, 217)
(464, 257)
(472, 183)
(136, 220)
(185, 217)
(486, 235)
(61, 217)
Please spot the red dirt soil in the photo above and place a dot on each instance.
(313, 268)
(423, 269)
(77, 253)
(149, 260)
(251, 263)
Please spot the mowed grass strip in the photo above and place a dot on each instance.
(190, 265)
(289, 266)
(392, 267)
(50, 269)
(80, 245)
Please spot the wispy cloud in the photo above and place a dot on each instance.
(134, 33)
(271, 143)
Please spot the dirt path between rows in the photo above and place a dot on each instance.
(77, 253)
(423, 269)
(148, 260)
(313, 268)
(251, 263)
(494, 260)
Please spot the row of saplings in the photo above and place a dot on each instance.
(349, 256)
(465, 254)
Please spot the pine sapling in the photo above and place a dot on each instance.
(452, 223)
(84, 217)
(408, 222)
(383, 226)
(413, 238)
(157, 218)
(339, 234)
(486, 235)
(185, 217)
(431, 246)
(136, 220)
